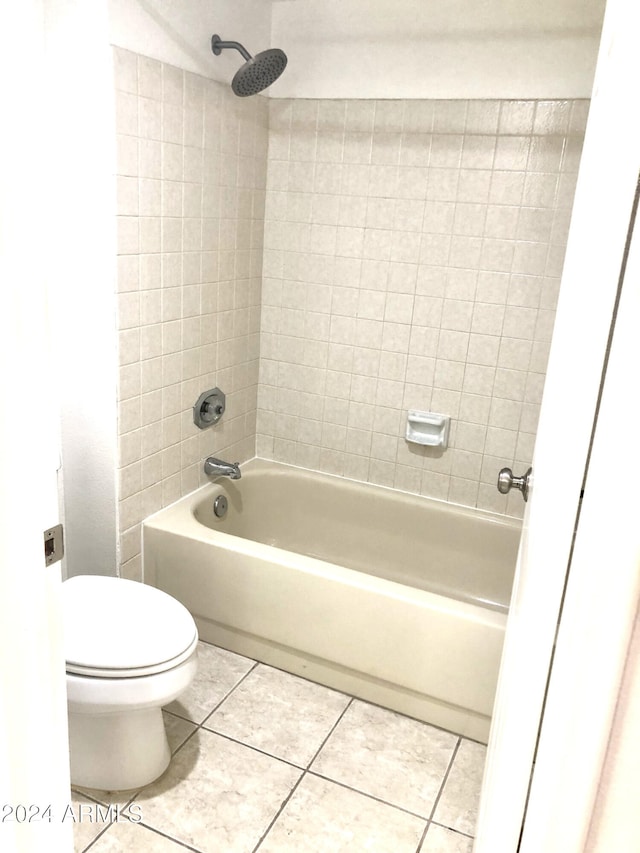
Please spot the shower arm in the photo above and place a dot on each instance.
(218, 46)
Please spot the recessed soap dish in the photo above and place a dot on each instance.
(428, 428)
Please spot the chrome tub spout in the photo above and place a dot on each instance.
(217, 468)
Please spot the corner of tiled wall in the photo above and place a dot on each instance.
(191, 179)
(413, 252)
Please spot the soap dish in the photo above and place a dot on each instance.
(428, 428)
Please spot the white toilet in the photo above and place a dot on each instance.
(130, 649)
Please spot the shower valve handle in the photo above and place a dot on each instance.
(506, 482)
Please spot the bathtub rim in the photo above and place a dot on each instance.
(257, 463)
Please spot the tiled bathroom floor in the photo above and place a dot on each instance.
(266, 761)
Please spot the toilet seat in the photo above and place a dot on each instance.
(137, 672)
(116, 628)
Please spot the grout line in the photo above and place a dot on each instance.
(430, 819)
(215, 708)
(279, 812)
(423, 836)
(199, 726)
(178, 748)
(253, 748)
(365, 794)
(451, 829)
(333, 728)
(170, 837)
(151, 829)
(231, 691)
(444, 779)
(93, 840)
(442, 826)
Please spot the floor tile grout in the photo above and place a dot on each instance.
(332, 730)
(248, 746)
(451, 829)
(151, 829)
(218, 704)
(430, 819)
(365, 794)
(283, 805)
(93, 840)
(445, 777)
(231, 692)
(171, 838)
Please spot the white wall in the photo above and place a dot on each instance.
(379, 48)
(179, 33)
(79, 202)
(440, 49)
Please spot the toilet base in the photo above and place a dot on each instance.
(118, 751)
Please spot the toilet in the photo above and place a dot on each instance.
(130, 649)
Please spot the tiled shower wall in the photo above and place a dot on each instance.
(191, 185)
(413, 252)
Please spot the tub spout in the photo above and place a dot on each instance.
(217, 468)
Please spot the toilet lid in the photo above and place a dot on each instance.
(117, 625)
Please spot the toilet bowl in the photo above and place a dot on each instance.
(130, 649)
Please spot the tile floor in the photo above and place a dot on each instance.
(266, 761)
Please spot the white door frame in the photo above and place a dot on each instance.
(595, 253)
(34, 754)
(599, 609)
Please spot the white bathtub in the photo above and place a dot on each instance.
(394, 598)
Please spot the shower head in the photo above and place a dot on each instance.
(258, 71)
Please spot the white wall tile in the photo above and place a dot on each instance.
(448, 216)
(169, 338)
(396, 255)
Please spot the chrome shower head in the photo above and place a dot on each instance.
(258, 71)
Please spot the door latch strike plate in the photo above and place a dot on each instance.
(53, 545)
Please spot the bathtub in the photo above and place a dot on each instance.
(394, 598)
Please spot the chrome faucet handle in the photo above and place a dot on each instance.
(209, 408)
(506, 482)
